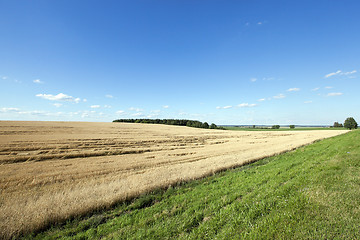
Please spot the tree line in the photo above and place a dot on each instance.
(349, 123)
(178, 122)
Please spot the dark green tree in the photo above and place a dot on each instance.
(275, 127)
(350, 123)
(292, 126)
(337, 125)
(213, 126)
(205, 125)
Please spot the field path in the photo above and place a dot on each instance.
(50, 171)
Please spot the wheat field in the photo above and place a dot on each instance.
(52, 171)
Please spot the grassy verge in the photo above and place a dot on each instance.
(281, 129)
(312, 192)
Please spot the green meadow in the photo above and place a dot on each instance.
(310, 193)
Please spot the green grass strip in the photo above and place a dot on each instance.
(310, 193)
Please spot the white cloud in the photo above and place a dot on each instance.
(136, 109)
(334, 94)
(138, 114)
(226, 107)
(340, 73)
(60, 97)
(348, 73)
(166, 106)
(87, 114)
(57, 104)
(38, 81)
(107, 106)
(332, 74)
(153, 115)
(7, 110)
(269, 79)
(315, 89)
(259, 23)
(109, 96)
(308, 102)
(32, 113)
(279, 96)
(261, 99)
(293, 89)
(39, 114)
(243, 105)
(84, 100)
(253, 79)
(328, 87)
(120, 112)
(95, 106)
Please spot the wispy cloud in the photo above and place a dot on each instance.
(253, 79)
(120, 112)
(57, 104)
(268, 78)
(109, 96)
(307, 102)
(37, 81)
(333, 74)
(226, 107)
(138, 114)
(334, 94)
(245, 105)
(241, 105)
(293, 89)
(99, 106)
(279, 96)
(258, 23)
(9, 110)
(4, 77)
(136, 109)
(340, 73)
(329, 87)
(39, 114)
(262, 99)
(166, 106)
(315, 89)
(21, 112)
(349, 73)
(60, 97)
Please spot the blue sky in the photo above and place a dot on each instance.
(227, 62)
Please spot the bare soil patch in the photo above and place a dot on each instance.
(50, 171)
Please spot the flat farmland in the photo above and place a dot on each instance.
(52, 171)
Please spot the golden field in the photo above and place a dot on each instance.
(51, 171)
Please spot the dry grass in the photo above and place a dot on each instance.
(50, 171)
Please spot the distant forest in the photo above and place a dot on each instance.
(179, 122)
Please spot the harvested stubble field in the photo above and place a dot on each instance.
(51, 171)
